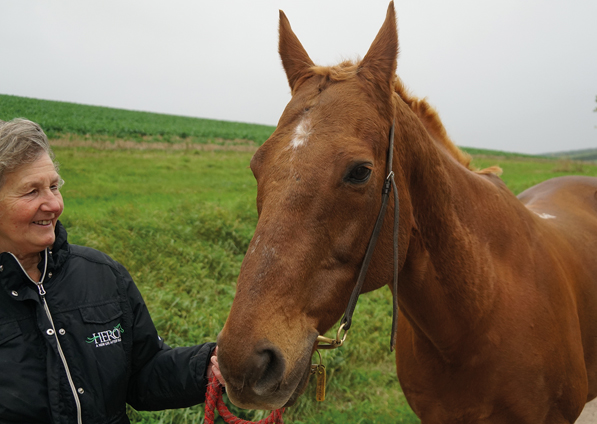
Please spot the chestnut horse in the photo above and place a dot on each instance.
(497, 294)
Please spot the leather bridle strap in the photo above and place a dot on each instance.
(395, 249)
(346, 321)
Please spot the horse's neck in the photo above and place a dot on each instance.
(447, 280)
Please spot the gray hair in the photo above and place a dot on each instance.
(21, 142)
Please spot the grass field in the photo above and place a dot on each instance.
(61, 118)
(181, 221)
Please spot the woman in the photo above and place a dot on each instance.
(76, 340)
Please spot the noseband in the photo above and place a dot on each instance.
(346, 321)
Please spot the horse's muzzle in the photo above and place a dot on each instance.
(260, 378)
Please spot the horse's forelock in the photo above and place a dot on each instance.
(341, 72)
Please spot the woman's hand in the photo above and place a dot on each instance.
(213, 369)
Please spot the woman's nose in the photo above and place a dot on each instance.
(51, 201)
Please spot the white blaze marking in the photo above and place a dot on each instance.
(301, 133)
(545, 215)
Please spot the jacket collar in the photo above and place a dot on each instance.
(59, 252)
(14, 278)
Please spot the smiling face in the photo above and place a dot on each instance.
(30, 204)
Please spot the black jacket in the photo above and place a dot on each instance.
(84, 341)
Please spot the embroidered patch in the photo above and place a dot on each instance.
(106, 337)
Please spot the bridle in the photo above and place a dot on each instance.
(346, 322)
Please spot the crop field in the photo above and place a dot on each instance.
(181, 222)
(62, 119)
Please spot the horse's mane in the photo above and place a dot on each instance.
(421, 108)
(430, 119)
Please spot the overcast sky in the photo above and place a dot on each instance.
(514, 75)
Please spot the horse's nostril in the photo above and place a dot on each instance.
(269, 369)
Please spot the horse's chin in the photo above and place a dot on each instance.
(286, 396)
(300, 388)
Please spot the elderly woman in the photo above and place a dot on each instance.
(76, 340)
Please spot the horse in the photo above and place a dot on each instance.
(497, 294)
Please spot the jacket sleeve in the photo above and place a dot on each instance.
(162, 377)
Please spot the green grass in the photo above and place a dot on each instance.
(60, 118)
(105, 179)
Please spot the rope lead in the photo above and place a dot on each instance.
(213, 400)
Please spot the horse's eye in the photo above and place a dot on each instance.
(359, 174)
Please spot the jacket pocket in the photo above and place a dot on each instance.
(101, 314)
(9, 331)
(103, 360)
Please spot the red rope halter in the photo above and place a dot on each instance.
(213, 400)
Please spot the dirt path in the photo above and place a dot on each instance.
(118, 144)
(589, 414)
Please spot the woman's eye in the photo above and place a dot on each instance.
(57, 186)
(360, 174)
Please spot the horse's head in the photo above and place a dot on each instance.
(320, 178)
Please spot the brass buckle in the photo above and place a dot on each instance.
(332, 343)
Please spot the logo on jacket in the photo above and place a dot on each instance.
(107, 337)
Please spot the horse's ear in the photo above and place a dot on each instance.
(295, 59)
(379, 64)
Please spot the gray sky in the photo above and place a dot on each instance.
(514, 75)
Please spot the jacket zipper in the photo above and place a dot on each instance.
(42, 294)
